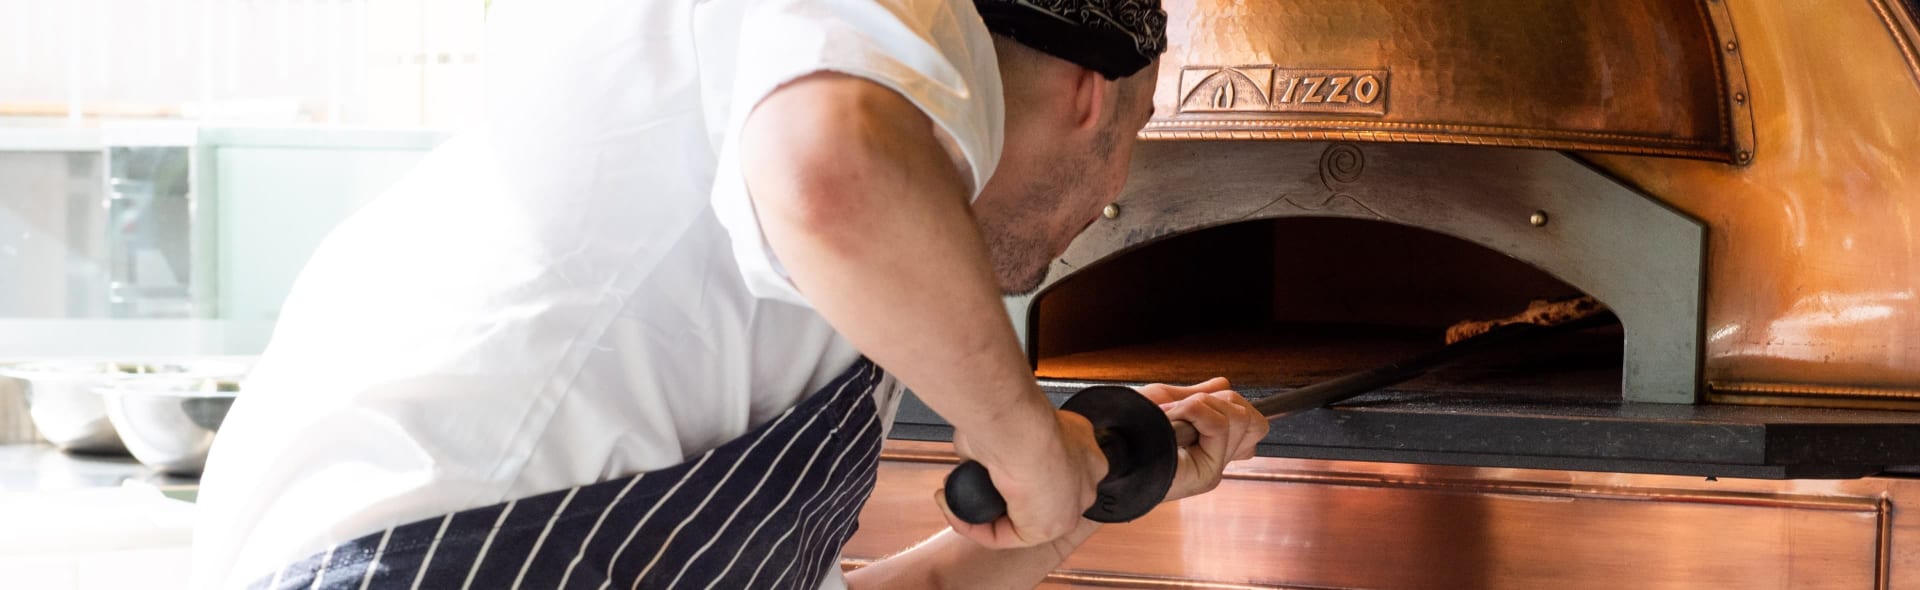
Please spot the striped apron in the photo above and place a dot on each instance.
(770, 509)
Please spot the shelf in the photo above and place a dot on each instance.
(1550, 405)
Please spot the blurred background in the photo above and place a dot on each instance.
(166, 166)
(166, 169)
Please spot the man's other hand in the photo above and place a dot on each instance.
(1228, 427)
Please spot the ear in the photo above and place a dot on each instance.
(1090, 90)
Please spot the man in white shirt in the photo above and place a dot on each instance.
(630, 331)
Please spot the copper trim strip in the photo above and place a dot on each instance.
(1136, 581)
(1812, 390)
(1769, 500)
(1904, 30)
(1438, 138)
(1443, 128)
(1814, 401)
(1736, 119)
(1112, 580)
(1883, 568)
(891, 453)
(1714, 14)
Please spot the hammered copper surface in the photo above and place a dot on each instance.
(1282, 523)
(1813, 286)
(1641, 76)
(1814, 262)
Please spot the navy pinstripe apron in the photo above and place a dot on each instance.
(770, 509)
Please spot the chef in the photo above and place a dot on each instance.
(646, 326)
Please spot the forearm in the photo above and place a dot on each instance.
(940, 328)
(948, 560)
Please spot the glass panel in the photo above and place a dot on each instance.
(52, 235)
(149, 232)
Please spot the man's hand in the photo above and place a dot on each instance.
(1228, 428)
(1228, 425)
(1047, 484)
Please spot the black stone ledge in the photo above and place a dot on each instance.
(1566, 432)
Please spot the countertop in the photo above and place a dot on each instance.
(88, 522)
(42, 468)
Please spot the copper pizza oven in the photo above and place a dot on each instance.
(1328, 186)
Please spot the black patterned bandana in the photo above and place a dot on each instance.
(1113, 37)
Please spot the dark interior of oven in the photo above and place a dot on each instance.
(1286, 302)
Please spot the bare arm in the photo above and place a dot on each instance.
(871, 218)
(947, 560)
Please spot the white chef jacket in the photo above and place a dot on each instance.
(578, 290)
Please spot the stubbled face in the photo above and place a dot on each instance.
(1048, 189)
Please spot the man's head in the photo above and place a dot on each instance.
(1070, 132)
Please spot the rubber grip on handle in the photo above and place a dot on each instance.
(971, 495)
(1135, 439)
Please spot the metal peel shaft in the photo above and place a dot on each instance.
(1348, 386)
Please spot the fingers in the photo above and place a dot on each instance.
(1212, 419)
(1228, 428)
(1240, 424)
(1162, 393)
(1207, 414)
(1237, 422)
(1246, 427)
(999, 534)
(1256, 426)
(993, 535)
(1046, 488)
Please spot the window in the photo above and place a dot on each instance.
(338, 62)
(168, 166)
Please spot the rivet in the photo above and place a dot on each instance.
(1538, 219)
(1745, 155)
(1111, 211)
(1732, 46)
(1740, 97)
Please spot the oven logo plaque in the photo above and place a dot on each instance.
(1274, 89)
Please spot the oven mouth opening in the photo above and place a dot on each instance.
(1281, 303)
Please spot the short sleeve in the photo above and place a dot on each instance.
(936, 53)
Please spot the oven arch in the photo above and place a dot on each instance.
(1547, 209)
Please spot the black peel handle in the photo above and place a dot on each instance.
(1135, 439)
(971, 495)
